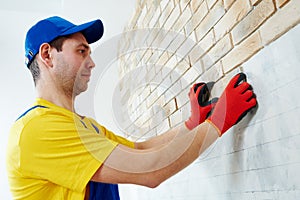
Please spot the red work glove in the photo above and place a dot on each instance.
(236, 100)
(200, 106)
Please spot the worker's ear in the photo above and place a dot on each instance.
(45, 54)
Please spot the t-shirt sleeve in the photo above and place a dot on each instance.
(61, 151)
(112, 136)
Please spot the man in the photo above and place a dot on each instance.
(55, 153)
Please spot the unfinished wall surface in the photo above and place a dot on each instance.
(169, 45)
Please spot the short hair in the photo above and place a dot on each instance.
(34, 66)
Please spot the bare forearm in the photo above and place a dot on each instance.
(157, 164)
(204, 136)
(162, 139)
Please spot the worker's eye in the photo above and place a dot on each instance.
(82, 51)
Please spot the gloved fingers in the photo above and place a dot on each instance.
(237, 80)
(243, 87)
(248, 95)
(214, 100)
(202, 94)
(197, 85)
(252, 102)
(211, 104)
(241, 78)
(194, 88)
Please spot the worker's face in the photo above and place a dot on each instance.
(73, 65)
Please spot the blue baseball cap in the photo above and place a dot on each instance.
(49, 29)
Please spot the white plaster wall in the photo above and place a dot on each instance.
(260, 157)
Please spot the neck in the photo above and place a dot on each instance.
(56, 97)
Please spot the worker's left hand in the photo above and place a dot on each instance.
(235, 102)
(200, 105)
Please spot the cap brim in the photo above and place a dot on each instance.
(92, 31)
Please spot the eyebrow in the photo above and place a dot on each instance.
(85, 46)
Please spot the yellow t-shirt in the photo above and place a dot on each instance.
(52, 152)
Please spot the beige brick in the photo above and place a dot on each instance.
(155, 18)
(217, 52)
(154, 57)
(213, 74)
(195, 54)
(191, 75)
(156, 3)
(228, 3)
(171, 62)
(172, 18)
(182, 96)
(253, 20)
(208, 41)
(151, 99)
(147, 55)
(191, 35)
(176, 118)
(198, 15)
(181, 67)
(184, 50)
(198, 66)
(160, 39)
(163, 58)
(150, 75)
(151, 37)
(166, 82)
(176, 43)
(237, 12)
(164, 3)
(195, 4)
(170, 107)
(255, 2)
(242, 52)
(149, 16)
(210, 20)
(183, 19)
(140, 19)
(283, 20)
(135, 17)
(139, 38)
(210, 3)
(163, 126)
(184, 3)
(280, 3)
(166, 13)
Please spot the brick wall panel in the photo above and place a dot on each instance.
(280, 3)
(214, 40)
(238, 10)
(217, 52)
(228, 3)
(198, 16)
(184, 18)
(211, 3)
(210, 20)
(281, 22)
(242, 52)
(208, 41)
(195, 4)
(255, 18)
(173, 17)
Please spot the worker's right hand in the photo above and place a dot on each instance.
(236, 100)
(200, 106)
